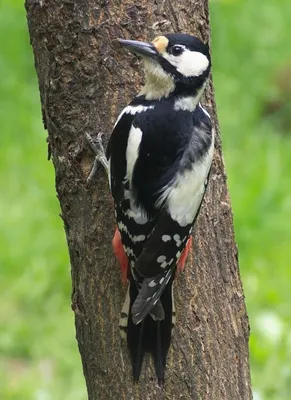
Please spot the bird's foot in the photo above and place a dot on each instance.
(100, 156)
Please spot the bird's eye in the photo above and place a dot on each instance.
(177, 50)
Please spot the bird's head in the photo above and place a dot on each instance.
(175, 63)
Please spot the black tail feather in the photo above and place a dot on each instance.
(137, 360)
(159, 359)
(150, 335)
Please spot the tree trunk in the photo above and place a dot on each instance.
(84, 81)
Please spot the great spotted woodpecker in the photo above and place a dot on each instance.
(158, 158)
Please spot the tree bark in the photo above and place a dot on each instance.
(85, 80)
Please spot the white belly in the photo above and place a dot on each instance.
(185, 195)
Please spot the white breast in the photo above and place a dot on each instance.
(185, 195)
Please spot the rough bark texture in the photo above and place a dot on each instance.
(85, 79)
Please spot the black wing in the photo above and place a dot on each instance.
(163, 248)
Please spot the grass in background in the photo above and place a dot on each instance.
(39, 359)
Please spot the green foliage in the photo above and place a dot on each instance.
(38, 351)
(250, 51)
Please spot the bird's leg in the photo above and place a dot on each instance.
(100, 156)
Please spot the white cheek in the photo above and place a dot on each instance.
(189, 63)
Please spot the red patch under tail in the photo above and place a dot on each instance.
(184, 255)
(120, 254)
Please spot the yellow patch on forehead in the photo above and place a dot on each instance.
(161, 43)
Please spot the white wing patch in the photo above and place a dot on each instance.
(132, 150)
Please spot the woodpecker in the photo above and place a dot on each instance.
(158, 160)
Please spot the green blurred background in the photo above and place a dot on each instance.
(39, 359)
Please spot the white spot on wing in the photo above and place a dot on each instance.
(161, 259)
(177, 240)
(122, 227)
(133, 238)
(152, 283)
(166, 238)
(138, 238)
(137, 214)
(128, 251)
(161, 280)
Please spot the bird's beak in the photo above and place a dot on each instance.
(140, 48)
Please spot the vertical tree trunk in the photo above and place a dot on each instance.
(84, 81)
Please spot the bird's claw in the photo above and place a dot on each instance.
(100, 156)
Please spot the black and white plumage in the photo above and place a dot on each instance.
(159, 154)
